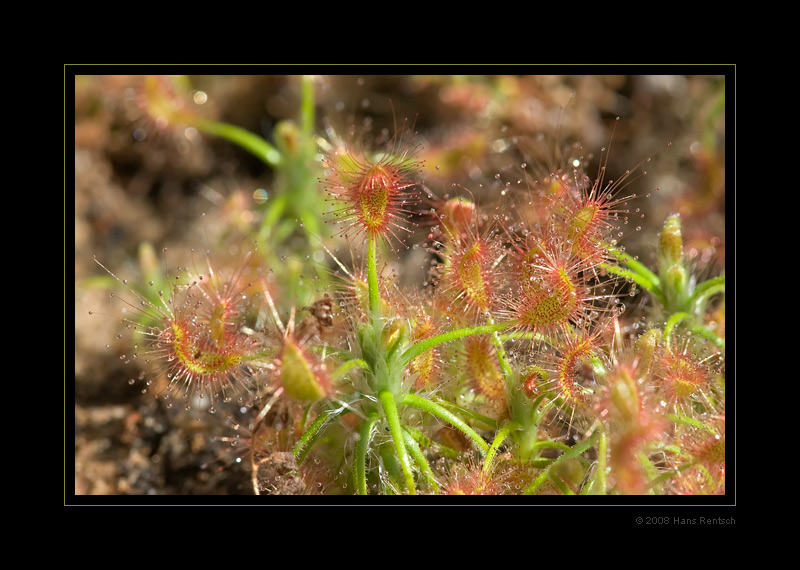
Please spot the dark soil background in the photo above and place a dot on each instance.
(131, 188)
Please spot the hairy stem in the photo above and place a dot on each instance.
(635, 265)
(498, 441)
(303, 446)
(372, 278)
(598, 484)
(441, 413)
(637, 271)
(360, 474)
(428, 343)
(501, 350)
(420, 460)
(393, 419)
(485, 420)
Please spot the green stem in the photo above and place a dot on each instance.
(393, 419)
(672, 322)
(636, 271)
(636, 266)
(269, 225)
(421, 461)
(638, 278)
(498, 441)
(365, 434)
(708, 334)
(501, 350)
(551, 445)
(574, 451)
(306, 442)
(602, 453)
(529, 335)
(598, 485)
(485, 420)
(346, 367)
(428, 343)
(441, 413)
(244, 138)
(706, 290)
(372, 278)
(680, 419)
(700, 330)
(424, 440)
(561, 486)
(307, 106)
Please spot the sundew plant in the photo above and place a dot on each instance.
(401, 285)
